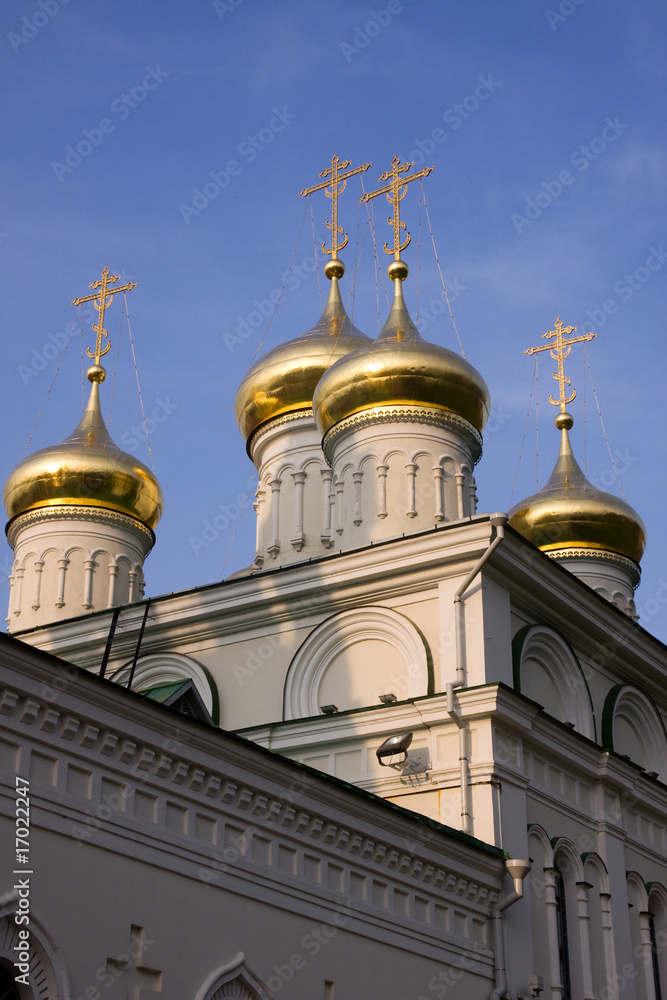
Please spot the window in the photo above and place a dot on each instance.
(563, 950)
(654, 958)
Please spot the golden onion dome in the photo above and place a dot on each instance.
(283, 380)
(85, 470)
(400, 367)
(570, 513)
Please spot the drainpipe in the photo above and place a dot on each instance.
(499, 521)
(518, 870)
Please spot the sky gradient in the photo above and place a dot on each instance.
(170, 141)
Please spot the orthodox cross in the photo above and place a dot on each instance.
(559, 352)
(332, 188)
(103, 297)
(129, 967)
(395, 192)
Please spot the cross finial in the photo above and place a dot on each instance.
(333, 187)
(559, 352)
(395, 192)
(103, 299)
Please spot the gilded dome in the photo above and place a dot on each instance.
(400, 367)
(570, 513)
(283, 380)
(86, 469)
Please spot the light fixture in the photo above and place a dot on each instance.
(388, 699)
(328, 709)
(392, 746)
(651, 774)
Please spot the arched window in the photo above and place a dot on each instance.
(8, 987)
(354, 657)
(156, 670)
(234, 979)
(632, 727)
(600, 932)
(563, 938)
(657, 921)
(547, 671)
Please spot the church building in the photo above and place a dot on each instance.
(413, 749)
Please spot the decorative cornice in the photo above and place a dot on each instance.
(601, 555)
(161, 768)
(272, 425)
(411, 415)
(97, 515)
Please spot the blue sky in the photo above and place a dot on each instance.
(169, 141)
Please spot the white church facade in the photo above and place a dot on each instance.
(517, 843)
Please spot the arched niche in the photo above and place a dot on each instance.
(234, 979)
(167, 668)
(352, 658)
(47, 979)
(633, 727)
(547, 671)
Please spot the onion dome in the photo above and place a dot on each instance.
(85, 470)
(283, 380)
(569, 513)
(400, 367)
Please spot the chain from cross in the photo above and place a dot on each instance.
(332, 189)
(559, 353)
(395, 192)
(103, 299)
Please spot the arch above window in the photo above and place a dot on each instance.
(633, 727)
(547, 671)
(354, 657)
(234, 979)
(156, 669)
(47, 978)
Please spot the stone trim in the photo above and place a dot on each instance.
(71, 513)
(156, 772)
(407, 414)
(601, 554)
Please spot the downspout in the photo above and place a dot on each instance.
(518, 870)
(499, 521)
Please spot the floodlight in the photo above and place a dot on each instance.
(392, 746)
(388, 699)
(328, 709)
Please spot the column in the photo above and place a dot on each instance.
(356, 478)
(327, 498)
(552, 925)
(382, 482)
(411, 468)
(39, 566)
(89, 565)
(437, 486)
(62, 570)
(273, 548)
(113, 573)
(583, 920)
(459, 493)
(298, 538)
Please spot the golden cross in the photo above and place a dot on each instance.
(104, 297)
(559, 354)
(395, 195)
(338, 182)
